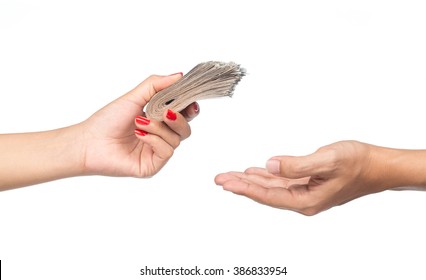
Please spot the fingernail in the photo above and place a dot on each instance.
(142, 121)
(171, 115)
(273, 166)
(196, 107)
(140, 132)
(180, 73)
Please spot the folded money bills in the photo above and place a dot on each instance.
(206, 80)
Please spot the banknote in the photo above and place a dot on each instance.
(206, 80)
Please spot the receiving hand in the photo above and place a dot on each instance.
(333, 175)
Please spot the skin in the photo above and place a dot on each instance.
(104, 144)
(333, 175)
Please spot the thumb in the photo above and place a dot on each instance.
(318, 163)
(149, 87)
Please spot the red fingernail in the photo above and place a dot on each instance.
(140, 132)
(180, 73)
(171, 115)
(142, 121)
(196, 107)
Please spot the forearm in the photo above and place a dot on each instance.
(402, 169)
(32, 158)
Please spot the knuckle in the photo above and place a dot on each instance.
(333, 155)
(175, 141)
(296, 167)
(250, 170)
(189, 132)
(184, 133)
(169, 152)
(309, 211)
(152, 77)
(176, 144)
(309, 207)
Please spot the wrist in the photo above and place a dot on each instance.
(70, 150)
(399, 168)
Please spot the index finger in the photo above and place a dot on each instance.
(276, 197)
(177, 123)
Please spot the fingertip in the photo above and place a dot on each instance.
(273, 166)
(140, 132)
(160, 82)
(176, 74)
(285, 166)
(221, 178)
(171, 115)
(192, 111)
(196, 108)
(175, 77)
(217, 179)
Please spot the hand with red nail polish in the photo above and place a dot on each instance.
(118, 140)
(135, 145)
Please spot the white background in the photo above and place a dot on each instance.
(318, 72)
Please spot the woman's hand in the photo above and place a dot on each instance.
(121, 141)
(116, 141)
